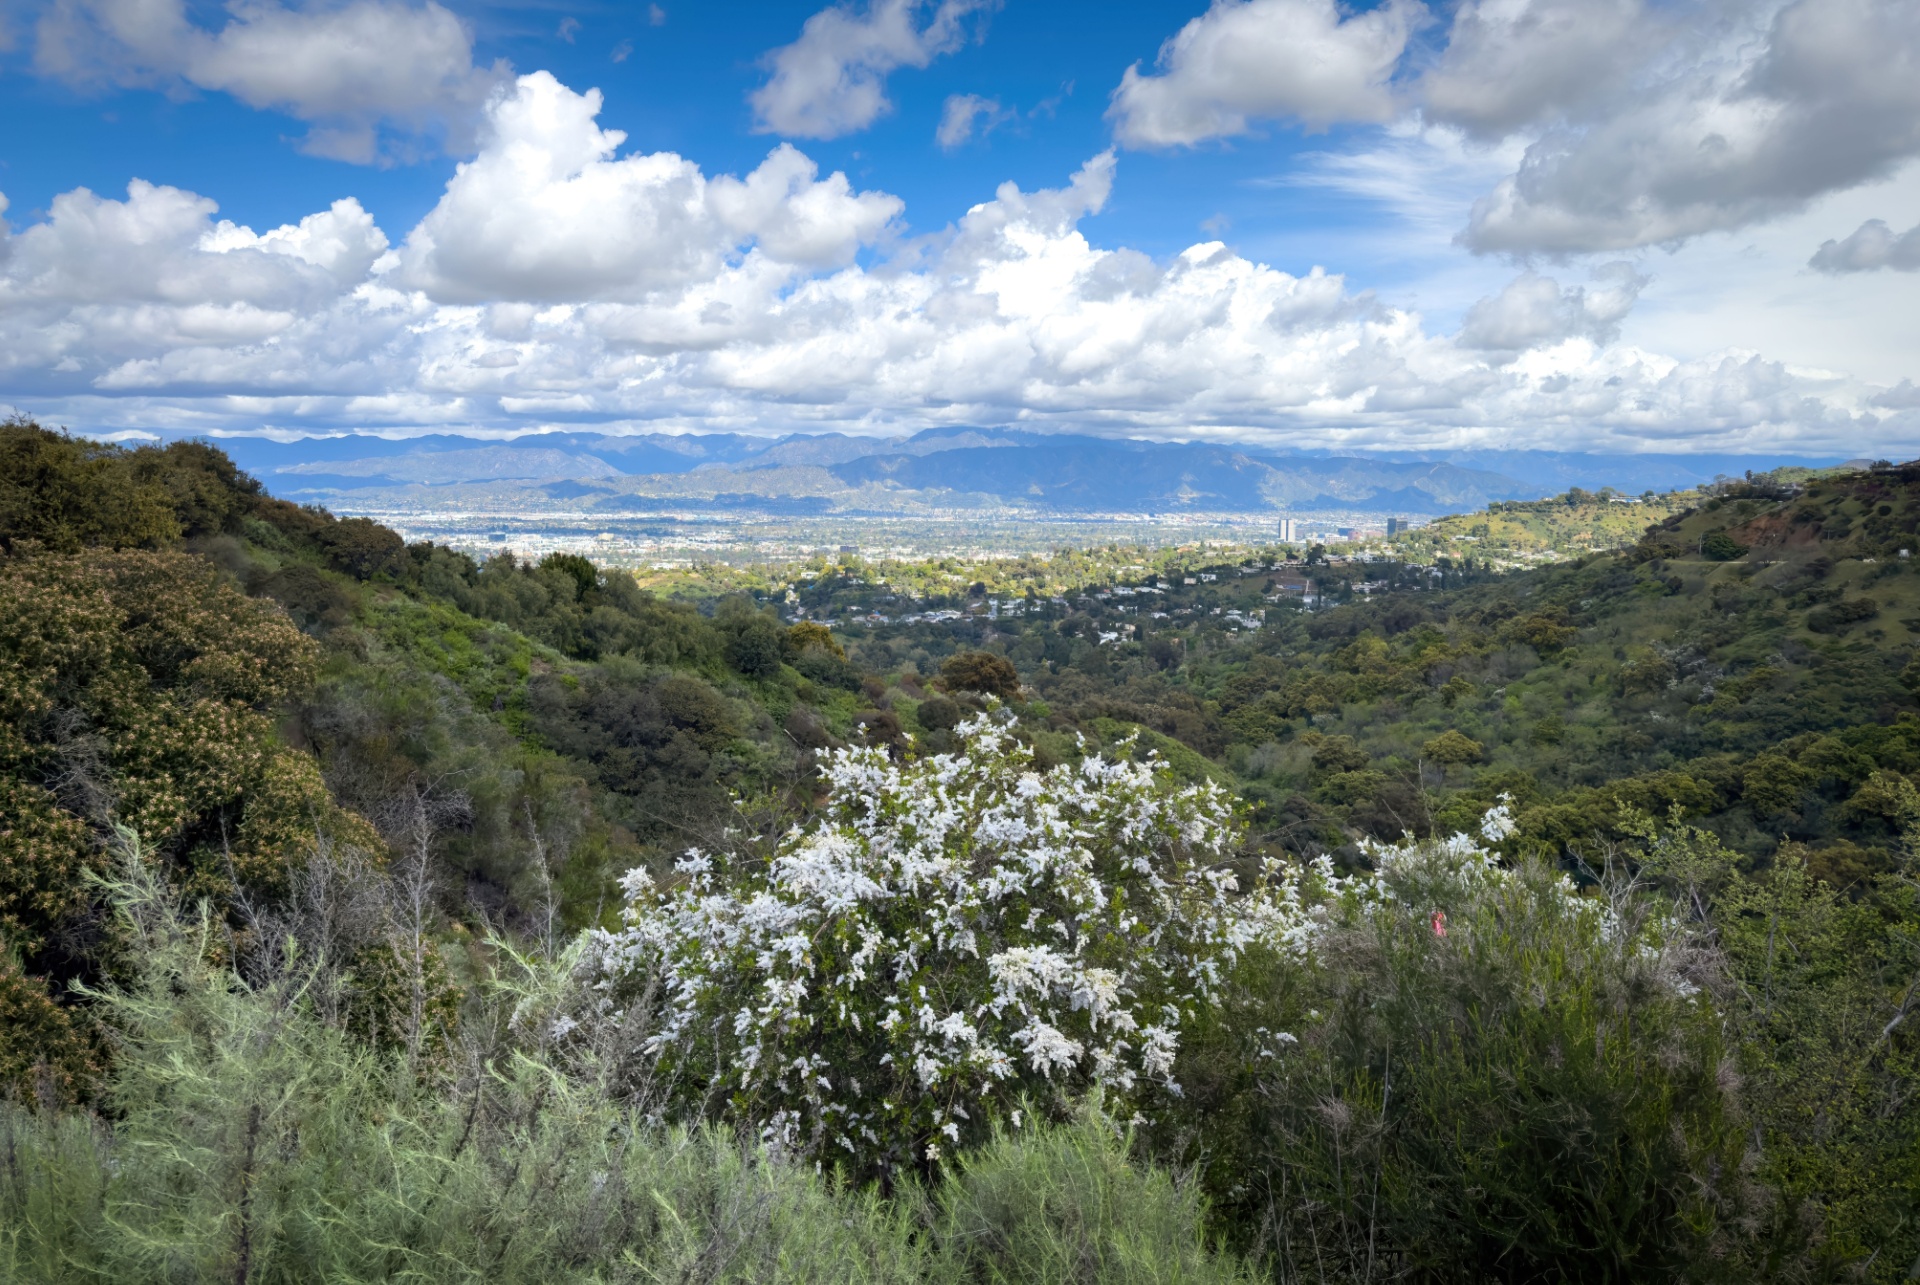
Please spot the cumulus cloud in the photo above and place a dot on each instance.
(557, 280)
(962, 114)
(353, 71)
(1508, 64)
(546, 211)
(832, 80)
(1872, 246)
(1904, 395)
(1244, 60)
(1638, 123)
(1823, 96)
(1533, 311)
(102, 280)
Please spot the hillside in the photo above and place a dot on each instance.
(1516, 533)
(437, 817)
(1759, 685)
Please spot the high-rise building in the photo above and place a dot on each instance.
(1289, 529)
(1395, 526)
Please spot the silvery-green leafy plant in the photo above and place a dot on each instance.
(952, 937)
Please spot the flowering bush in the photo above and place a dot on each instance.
(952, 935)
(1484, 1071)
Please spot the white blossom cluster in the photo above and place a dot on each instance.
(951, 935)
(1459, 885)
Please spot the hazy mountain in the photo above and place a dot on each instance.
(947, 467)
(1092, 474)
(479, 464)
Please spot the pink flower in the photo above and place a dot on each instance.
(1439, 923)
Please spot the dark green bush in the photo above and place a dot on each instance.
(981, 671)
(1496, 1080)
(1721, 547)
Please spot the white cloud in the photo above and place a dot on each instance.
(961, 114)
(1534, 311)
(1508, 64)
(1902, 396)
(545, 212)
(103, 280)
(1872, 246)
(1636, 123)
(1820, 96)
(353, 71)
(558, 281)
(1244, 60)
(832, 80)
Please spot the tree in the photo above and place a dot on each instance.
(140, 688)
(981, 671)
(362, 547)
(1452, 748)
(66, 493)
(584, 575)
(811, 635)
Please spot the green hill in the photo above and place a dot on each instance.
(318, 859)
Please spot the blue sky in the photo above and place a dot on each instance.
(681, 85)
(1596, 224)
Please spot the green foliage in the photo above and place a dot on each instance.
(66, 494)
(809, 636)
(1451, 748)
(981, 671)
(140, 688)
(252, 1141)
(1064, 1205)
(389, 770)
(48, 1054)
(1488, 1077)
(1721, 547)
(1823, 990)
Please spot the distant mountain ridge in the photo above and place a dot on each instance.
(961, 467)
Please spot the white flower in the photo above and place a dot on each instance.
(1498, 822)
(966, 920)
(1047, 1049)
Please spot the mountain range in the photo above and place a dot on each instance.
(945, 469)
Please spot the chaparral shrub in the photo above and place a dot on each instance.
(1489, 1074)
(952, 935)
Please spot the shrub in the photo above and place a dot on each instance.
(46, 1052)
(980, 671)
(1064, 1205)
(66, 493)
(1452, 748)
(1721, 547)
(143, 684)
(252, 1142)
(949, 936)
(1493, 1077)
(1836, 618)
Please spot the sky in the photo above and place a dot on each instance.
(1595, 225)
